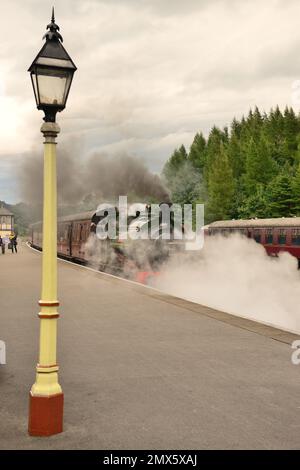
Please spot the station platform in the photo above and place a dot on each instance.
(144, 370)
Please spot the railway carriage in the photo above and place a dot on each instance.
(276, 235)
(72, 234)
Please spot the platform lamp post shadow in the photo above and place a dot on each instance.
(51, 75)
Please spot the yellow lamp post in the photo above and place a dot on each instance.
(51, 75)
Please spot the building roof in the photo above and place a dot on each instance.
(278, 222)
(4, 211)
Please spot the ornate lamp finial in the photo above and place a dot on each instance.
(53, 34)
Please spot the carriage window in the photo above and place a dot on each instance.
(296, 236)
(257, 235)
(282, 237)
(80, 232)
(69, 236)
(269, 236)
(76, 232)
(83, 234)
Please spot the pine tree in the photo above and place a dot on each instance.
(236, 156)
(186, 185)
(259, 165)
(225, 134)
(175, 162)
(296, 192)
(275, 135)
(197, 153)
(236, 128)
(215, 139)
(280, 196)
(296, 161)
(291, 129)
(255, 205)
(220, 188)
(254, 123)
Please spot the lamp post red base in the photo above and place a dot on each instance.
(45, 415)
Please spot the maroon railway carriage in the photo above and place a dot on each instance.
(72, 234)
(275, 235)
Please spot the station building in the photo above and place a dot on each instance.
(6, 222)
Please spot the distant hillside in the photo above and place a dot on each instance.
(24, 215)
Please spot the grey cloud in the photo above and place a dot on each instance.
(173, 7)
(151, 72)
(281, 60)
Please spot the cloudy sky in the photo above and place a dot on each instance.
(151, 73)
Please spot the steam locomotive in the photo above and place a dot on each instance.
(134, 259)
(276, 235)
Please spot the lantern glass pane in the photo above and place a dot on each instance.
(68, 85)
(52, 86)
(35, 88)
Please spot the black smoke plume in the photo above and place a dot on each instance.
(84, 183)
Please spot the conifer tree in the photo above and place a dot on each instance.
(186, 185)
(259, 165)
(197, 153)
(280, 196)
(175, 162)
(296, 192)
(255, 205)
(236, 156)
(215, 140)
(220, 188)
(291, 130)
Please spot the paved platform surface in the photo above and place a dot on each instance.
(141, 370)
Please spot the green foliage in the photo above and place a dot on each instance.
(197, 155)
(174, 164)
(254, 205)
(252, 170)
(215, 140)
(296, 192)
(259, 166)
(220, 188)
(280, 197)
(236, 156)
(187, 185)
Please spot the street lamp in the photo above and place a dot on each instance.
(51, 75)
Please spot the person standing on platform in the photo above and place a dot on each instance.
(2, 245)
(5, 240)
(13, 242)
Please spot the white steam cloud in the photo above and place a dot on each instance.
(235, 275)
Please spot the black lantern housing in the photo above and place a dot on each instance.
(51, 73)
